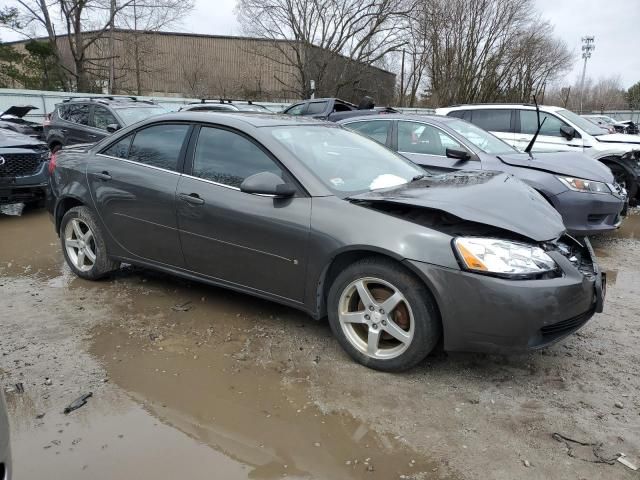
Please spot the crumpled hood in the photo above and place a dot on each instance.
(10, 138)
(619, 138)
(490, 198)
(573, 164)
(18, 111)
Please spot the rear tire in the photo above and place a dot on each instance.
(382, 315)
(83, 245)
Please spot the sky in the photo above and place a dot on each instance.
(614, 23)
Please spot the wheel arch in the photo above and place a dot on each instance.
(63, 206)
(346, 257)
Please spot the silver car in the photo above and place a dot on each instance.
(5, 451)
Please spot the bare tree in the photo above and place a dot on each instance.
(328, 41)
(140, 18)
(86, 23)
(485, 50)
(605, 94)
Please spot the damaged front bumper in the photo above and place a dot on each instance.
(482, 313)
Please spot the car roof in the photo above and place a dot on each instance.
(400, 116)
(254, 119)
(476, 106)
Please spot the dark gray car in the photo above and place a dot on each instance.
(582, 189)
(311, 215)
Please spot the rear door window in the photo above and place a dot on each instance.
(414, 137)
(77, 114)
(550, 127)
(296, 109)
(316, 108)
(120, 149)
(228, 158)
(159, 145)
(378, 130)
(493, 120)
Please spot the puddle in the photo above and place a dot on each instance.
(216, 394)
(29, 245)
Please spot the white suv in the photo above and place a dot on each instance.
(562, 130)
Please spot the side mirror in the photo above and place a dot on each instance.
(568, 132)
(267, 183)
(458, 154)
(112, 127)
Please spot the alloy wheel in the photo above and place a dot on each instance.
(376, 318)
(80, 244)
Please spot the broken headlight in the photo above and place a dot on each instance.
(582, 185)
(502, 257)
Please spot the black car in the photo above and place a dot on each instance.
(334, 109)
(88, 120)
(224, 106)
(23, 168)
(314, 216)
(13, 119)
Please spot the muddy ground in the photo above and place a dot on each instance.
(196, 382)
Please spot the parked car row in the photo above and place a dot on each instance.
(613, 126)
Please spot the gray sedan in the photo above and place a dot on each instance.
(582, 189)
(5, 451)
(311, 215)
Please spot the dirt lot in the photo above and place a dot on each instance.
(194, 382)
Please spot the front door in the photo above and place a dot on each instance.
(133, 183)
(550, 138)
(427, 145)
(247, 240)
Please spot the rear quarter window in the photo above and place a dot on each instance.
(492, 120)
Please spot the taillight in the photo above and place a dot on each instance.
(52, 162)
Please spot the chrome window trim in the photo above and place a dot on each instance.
(138, 163)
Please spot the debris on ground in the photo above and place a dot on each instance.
(77, 403)
(19, 388)
(594, 447)
(13, 209)
(182, 307)
(618, 405)
(40, 416)
(626, 462)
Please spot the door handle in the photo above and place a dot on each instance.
(192, 198)
(104, 176)
(93, 136)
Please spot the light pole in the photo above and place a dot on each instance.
(588, 45)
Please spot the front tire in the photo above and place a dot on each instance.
(83, 245)
(383, 316)
(624, 178)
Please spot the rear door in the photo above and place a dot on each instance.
(550, 139)
(498, 121)
(426, 145)
(76, 128)
(254, 241)
(133, 184)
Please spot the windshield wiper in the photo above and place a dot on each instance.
(535, 137)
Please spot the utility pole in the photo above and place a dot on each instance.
(400, 100)
(588, 45)
(112, 61)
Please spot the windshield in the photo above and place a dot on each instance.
(481, 138)
(346, 162)
(582, 123)
(131, 115)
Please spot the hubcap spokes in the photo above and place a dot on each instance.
(80, 244)
(376, 318)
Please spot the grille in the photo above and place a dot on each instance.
(20, 164)
(565, 325)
